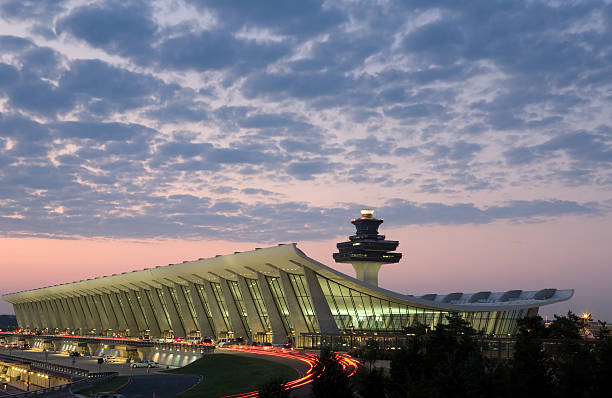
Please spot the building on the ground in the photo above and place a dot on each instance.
(270, 294)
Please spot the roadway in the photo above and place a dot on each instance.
(145, 382)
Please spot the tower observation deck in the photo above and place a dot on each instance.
(367, 251)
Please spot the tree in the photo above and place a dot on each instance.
(275, 388)
(530, 374)
(371, 383)
(566, 327)
(369, 353)
(330, 378)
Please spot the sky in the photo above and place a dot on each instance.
(142, 133)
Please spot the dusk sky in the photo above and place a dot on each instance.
(135, 134)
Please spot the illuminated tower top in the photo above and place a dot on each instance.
(367, 250)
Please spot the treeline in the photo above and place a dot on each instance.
(8, 322)
(447, 362)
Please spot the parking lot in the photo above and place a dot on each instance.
(89, 363)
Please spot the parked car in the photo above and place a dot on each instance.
(145, 363)
(75, 354)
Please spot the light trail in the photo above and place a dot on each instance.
(348, 364)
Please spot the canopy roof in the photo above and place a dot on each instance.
(290, 259)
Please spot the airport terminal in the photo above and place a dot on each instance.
(274, 295)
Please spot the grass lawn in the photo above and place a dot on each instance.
(225, 374)
(111, 385)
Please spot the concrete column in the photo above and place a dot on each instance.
(24, 315)
(215, 310)
(52, 315)
(129, 315)
(205, 328)
(249, 305)
(177, 325)
(44, 314)
(34, 316)
(97, 302)
(153, 322)
(77, 315)
(295, 312)
(121, 321)
(159, 311)
(42, 305)
(367, 271)
(63, 305)
(19, 315)
(138, 312)
(110, 311)
(61, 316)
(232, 310)
(326, 321)
(95, 313)
(279, 334)
(188, 320)
(80, 300)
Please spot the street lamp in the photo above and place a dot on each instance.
(29, 374)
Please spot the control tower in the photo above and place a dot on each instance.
(367, 251)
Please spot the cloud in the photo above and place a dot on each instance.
(183, 118)
(124, 28)
(589, 149)
(216, 50)
(31, 9)
(304, 18)
(118, 88)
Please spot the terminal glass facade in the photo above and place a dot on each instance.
(259, 303)
(281, 303)
(204, 301)
(298, 283)
(235, 290)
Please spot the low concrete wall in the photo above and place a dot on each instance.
(174, 357)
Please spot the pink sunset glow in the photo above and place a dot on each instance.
(498, 257)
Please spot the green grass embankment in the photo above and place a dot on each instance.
(225, 374)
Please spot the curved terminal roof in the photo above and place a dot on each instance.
(289, 258)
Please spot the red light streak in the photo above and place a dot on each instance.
(310, 359)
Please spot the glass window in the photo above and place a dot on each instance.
(259, 303)
(131, 308)
(162, 299)
(149, 299)
(237, 296)
(204, 301)
(192, 311)
(298, 282)
(281, 303)
(216, 287)
(122, 309)
(175, 301)
(142, 310)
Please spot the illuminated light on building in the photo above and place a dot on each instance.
(275, 294)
